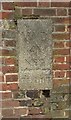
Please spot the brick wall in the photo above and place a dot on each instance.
(38, 104)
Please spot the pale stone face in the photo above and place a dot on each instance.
(34, 48)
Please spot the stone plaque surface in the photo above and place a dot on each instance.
(34, 48)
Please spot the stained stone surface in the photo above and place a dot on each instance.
(34, 48)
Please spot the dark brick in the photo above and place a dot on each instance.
(45, 12)
(61, 52)
(10, 43)
(36, 117)
(11, 78)
(63, 20)
(60, 4)
(58, 82)
(61, 12)
(26, 103)
(44, 4)
(69, 12)
(25, 4)
(59, 74)
(61, 36)
(26, 11)
(8, 5)
(32, 93)
(59, 28)
(10, 118)
(58, 44)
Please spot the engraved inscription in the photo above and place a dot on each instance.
(35, 53)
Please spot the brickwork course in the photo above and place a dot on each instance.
(19, 104)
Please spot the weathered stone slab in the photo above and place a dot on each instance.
(34, 48)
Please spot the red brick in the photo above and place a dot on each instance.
(0, 15)
(69, 12)
(7, 113)
(63, 20)
(68, 44)
(1, 78)
(69, 28)
(20, 111)
(1, 87)
(60, 28)
(8, 69)
(61, 67)
(6, 95)
(9, 61)
(61, 52)
(11, 78)
(48, 12)
(25, 4)
(44, 4)
(34, 111)
(9, 43)
(12, 86)
(10, 103)
(61, 36)
(68, 74)
(61, 12)
(68, 59)
(58, 82)
(26, 11)
(59, 59)
(6, 52)
(8, 5)
(7, 15)
(59, 74)
(58, 44)
(70, 4)
(60, 4)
